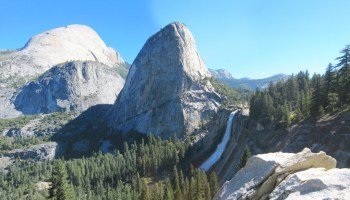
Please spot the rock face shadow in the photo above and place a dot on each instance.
(84, 135)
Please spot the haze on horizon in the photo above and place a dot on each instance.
(252, 39)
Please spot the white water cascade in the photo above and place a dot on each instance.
(222, 145)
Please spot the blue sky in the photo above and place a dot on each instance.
(250, 38)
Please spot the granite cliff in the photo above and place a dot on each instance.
(72, 86)
(52, 47)
(49, 49)
(164, 93)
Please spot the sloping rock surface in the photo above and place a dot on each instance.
(73, 42)
(304, 175)
(59, 45)
(163, 93)
(40, 152)
(46, 50)
(73, 86)
(314, 183)
(330, 134)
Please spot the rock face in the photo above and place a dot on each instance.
(4, 163)
(73, 86)
(73, 42)
(304, 175)
(36, 125)
(221, 74)
(329, 134)
(45, 50)
(40, 152)
(7, 109)
(163, 93)
(315, 183)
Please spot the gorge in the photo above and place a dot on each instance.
(215, 156)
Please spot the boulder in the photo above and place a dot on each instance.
(314, 183)
(4, 163)
(42, 185)
(264, 173)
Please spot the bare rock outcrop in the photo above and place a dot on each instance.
(52, 47)
(36, 125)
(73, 42)
(72, 86)
(42, 185)
(46, 50)
(304, 175)
(164, 93)
(315, 183)
(40, 152)
(4, 163)
(221, 74)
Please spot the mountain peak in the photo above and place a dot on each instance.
(176, 39)
(221, 73)
(161, 86)
(72, 42)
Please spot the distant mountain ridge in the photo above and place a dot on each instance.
(225, 76)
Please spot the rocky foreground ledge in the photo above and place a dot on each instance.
(304, 175)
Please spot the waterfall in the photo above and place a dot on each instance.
(221, 146)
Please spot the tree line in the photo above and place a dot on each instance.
(303, 98)
(150, 169)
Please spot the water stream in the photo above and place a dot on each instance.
(221, 146)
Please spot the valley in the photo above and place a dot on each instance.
(78, 122)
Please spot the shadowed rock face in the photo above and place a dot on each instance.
(73, 86)
(162, 93)
(40, 152)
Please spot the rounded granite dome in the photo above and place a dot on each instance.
(73, 42)
(176, 43)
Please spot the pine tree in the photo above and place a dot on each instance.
(329, 84)
(207, 194)
(60, 188)
(213, 182)
(182, 182)
(177, 189)
(244, 158)
(344, 74)
(192, 188)
(145, 192)
(159, 192)
(316, 100)
(332, 101)
(345, 58)
(119, 192)
(286, 121)
(169, 193)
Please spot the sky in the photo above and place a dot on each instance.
(250, 38)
